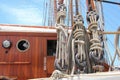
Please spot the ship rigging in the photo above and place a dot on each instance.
(74, 45)
(83, 49)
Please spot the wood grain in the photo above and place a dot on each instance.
(29, 64)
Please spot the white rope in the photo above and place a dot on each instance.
(62, 35)
(100, 12)
(93, 28)
(73, 57)
(95, 47)
(117, 43)
(78, 40)
(117, 49)
(108, 51)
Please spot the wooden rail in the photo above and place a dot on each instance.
(3, 63)
(118, 32)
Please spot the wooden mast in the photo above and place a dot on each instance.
(90, 5)
(71, 11)
(60, 1)
(55, 10)
(76, 5)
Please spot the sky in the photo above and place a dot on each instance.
(26, 12)
(32, 12)
(112, 22)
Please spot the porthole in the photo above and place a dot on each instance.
(23, 45)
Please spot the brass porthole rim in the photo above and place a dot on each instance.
(18, 43)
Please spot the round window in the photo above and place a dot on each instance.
(23, 45)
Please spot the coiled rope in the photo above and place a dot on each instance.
(78, 44)
(62, 34)
(96, 54)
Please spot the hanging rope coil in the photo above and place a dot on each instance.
(78, 50)
(92, 17)
(95, 44)
(62, 34)
(61, 14)
(96, 54)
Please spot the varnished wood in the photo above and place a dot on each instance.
(33, 34)
(14, 25)
(50, 62)
(29, 64)
(2, 63)
(118, 32)
(49, 59)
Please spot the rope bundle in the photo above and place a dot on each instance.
(96, 54)
(78, 44)
(62, 34)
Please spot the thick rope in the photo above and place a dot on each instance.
(95, 54)
(62, 35)
(78, 44)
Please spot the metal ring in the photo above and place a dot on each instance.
(23, 45)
